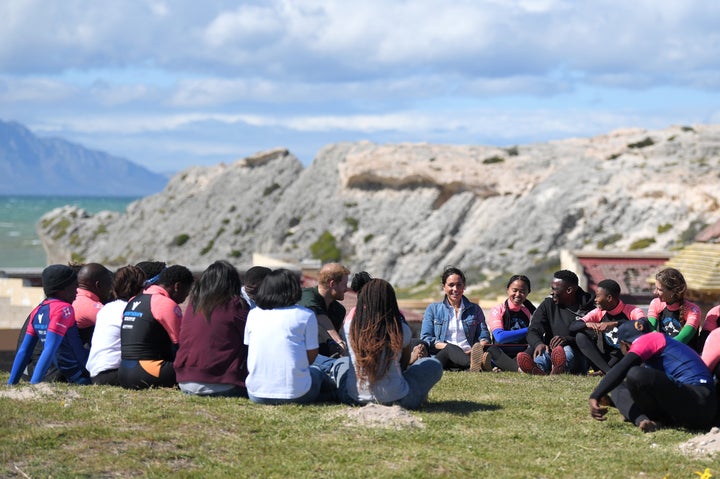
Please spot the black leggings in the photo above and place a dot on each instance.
(602, 360)
(452, 357)
(504, 357)
(106, 378)
(648, 393)
(146, 373)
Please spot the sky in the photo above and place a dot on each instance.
(173, 84)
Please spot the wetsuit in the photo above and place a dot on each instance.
(603, 350)
(663, 380)
(709, 325)
(148, 340)
(508, 324)
(666, 318)
(53, 323)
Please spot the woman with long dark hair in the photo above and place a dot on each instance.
(282, 344)
(212, 358)
(379, 340)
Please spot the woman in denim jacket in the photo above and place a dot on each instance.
(454, 330)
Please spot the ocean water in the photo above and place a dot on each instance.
(20, 246)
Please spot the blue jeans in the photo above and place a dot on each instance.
(324, 363)
(319, 379)
(421, 376)
(544, 363)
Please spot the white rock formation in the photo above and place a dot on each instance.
(405, 211)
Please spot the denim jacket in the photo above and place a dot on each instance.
(437, 317)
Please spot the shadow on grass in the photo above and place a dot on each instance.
(460, 408)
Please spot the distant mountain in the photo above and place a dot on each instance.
(51, 166)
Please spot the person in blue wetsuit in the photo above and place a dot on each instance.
(659, 381)
(52, 323)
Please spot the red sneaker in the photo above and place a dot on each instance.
(558, 360)
(527, 364)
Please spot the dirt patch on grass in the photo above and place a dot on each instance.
(704, 445)
(39, 391)
(36, 391)
(376, 415)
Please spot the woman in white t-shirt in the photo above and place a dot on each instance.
(379, 345)
(104, 358)
(282, 344)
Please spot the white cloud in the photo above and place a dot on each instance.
(248, 24)
(466, 70)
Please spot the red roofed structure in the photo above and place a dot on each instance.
(631, 270)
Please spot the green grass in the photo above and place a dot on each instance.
(502, 425)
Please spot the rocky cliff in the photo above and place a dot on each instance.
(405, 211)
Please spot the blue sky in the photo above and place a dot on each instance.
(170, 84)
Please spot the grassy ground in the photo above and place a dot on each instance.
(476, 425)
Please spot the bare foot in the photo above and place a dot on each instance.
(419, 351)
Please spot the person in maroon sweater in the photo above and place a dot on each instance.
(212, 355)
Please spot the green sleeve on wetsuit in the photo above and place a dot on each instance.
(653, 321)
(686, 334)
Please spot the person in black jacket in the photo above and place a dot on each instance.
(552, 348)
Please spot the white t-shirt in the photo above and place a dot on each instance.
(456, 333)
(105, 348)
(278, 341)
(390, 387)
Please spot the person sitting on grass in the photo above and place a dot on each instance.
(251, 282)
(282, 340)
(94, 290)
(552, 346)
(711, 358)
(381, 368)
(150, 330)
(670, 312)
(324, 300)
(711, 323)
(212, 357)
(104, 359)
(454, 330)
(52, 322)
(659, 381)
(508, 324)
(596, 333)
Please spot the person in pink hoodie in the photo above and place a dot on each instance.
(93, 292)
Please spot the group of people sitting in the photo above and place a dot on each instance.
(266, 338)
(658, 368)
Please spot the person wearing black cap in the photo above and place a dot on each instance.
(53, 323)
(674, 387)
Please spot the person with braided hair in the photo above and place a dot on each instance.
(670, 312)
(381, 367)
